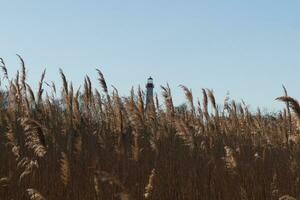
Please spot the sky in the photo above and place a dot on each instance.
(246, 48)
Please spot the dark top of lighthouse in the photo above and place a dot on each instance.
(150, 83)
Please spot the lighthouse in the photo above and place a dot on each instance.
(149, 93)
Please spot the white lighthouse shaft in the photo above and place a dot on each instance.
(149, 94)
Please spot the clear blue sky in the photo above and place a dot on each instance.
(248, 48)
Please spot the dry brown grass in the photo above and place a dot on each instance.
(97, 145)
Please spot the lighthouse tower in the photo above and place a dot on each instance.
(149, 94)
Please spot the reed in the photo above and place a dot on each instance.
(92, 143)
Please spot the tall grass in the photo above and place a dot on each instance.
(94, 144)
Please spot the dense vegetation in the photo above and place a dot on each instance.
(88, 144)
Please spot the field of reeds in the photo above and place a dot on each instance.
(93, 144)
